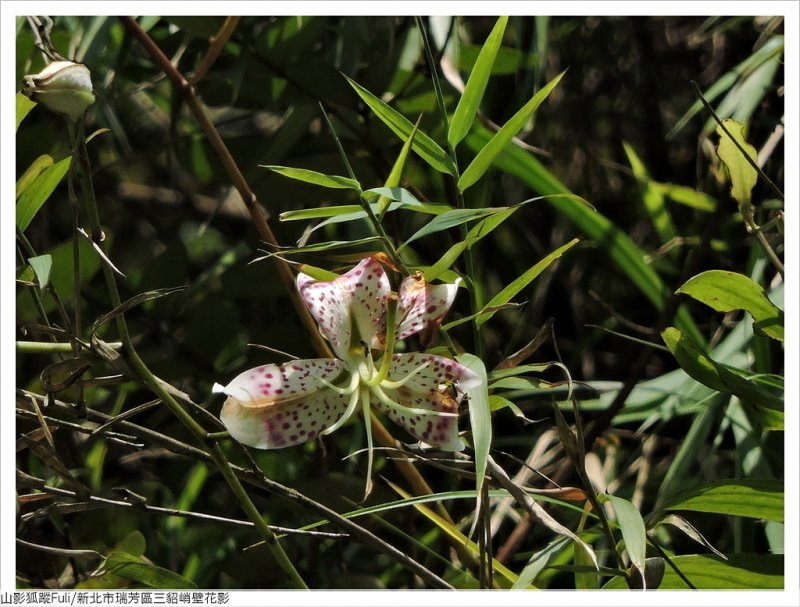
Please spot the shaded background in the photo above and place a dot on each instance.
(174, 220)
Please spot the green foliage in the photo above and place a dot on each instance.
(579, 393)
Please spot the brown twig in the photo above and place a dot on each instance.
(216, 42)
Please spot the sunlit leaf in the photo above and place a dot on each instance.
(24, 106)
(38, 189)
(709, 572)
(742, 174)
(480, 419)
(751, 497)
(496, 144)
(476, 85)
(633, 531)
(726, 291)
(326, 181)
(474, 235)
(41, 266)
(423, 145)
(524, 280)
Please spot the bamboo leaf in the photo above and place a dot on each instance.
(750, 497)
(326, 181)
(496, 144)
(476, 85)
(450, 219)
(524, 280)
(396, 174)
(473, 236)
(707, 572)
(136, 569)
(38, 190)
(423, 145)
(623, 252)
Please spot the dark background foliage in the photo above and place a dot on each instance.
(173, 219)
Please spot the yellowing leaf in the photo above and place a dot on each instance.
(743, 175)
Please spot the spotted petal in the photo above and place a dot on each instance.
(422, 305)
(428, 383)
(276, 406)
(355, 299)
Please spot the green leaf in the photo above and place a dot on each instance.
(539, 561)
(727, 291)
(524, 280)
(742, 174)
(449, 220)
(33, 192)
(496, 144)
(688, 196)
(760, 498)
(633, 531)
(396, 174)
(319, 212)
(24, 106)
(707, 572)
(324, 246)
(41, 266)
(326, 181)
(629, 258)
(652, 197)
(473, 236)
(476, 85)
(480, 418)
(394, 193)
(692, 359)
(136, 569)
(423, 145)
(708, 372)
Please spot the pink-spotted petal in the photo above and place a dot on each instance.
(422, 305)
(435, 371)
(277, 424)
(432, 429)
(433, 383)
(356, 299)
(278, 382)
(275, 406)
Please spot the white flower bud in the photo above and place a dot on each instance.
(63, 87)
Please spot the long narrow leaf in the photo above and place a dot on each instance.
(476, 85)
(480, 419)
(628, 257)
(326, 181)
(473, 236)
(423, 145)
(484, 159)
(524, 280)
(448, 220)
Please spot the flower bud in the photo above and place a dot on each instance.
(63, 87)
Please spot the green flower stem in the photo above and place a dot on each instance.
(474, 296)
(376, 223)
(41, 347)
